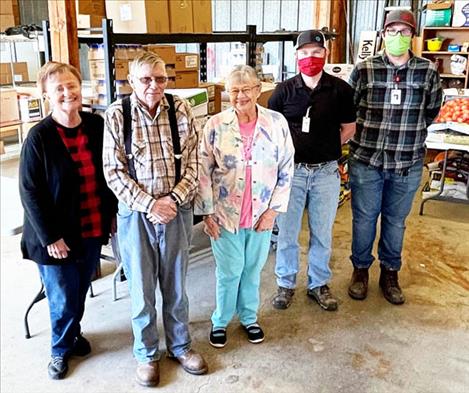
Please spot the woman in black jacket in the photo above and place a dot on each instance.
(68, 208)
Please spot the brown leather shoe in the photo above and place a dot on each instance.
(148, 374)
(389, 284)
(358, 288)
(192, 362)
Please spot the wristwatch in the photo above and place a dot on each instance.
(173, 197)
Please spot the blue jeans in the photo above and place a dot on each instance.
(376, 192)
(66, 286)
(240, 258)
(318, 191)
(152, 255)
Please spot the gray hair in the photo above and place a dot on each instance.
(149, 58)
(242, 74)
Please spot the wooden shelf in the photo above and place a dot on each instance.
(452, 76)
(432, 52)
(447, 28)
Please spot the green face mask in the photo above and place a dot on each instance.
(397, 45)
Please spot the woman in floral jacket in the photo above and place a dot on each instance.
(246, 168)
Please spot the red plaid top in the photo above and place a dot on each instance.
(76, 143)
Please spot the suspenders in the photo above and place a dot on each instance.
(174, 136)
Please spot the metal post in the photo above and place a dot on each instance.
(203, 61)
(109, 62)
(47, 41)
(251, 46)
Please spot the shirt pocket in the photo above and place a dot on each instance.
(413, 94)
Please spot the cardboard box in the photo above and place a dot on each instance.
(30, 108)
(127, 52)
(6, 7)
(266, 91)
(170, 71)
(202, 16)
(438, 14)
(138, 16)
(20, 73)
(187, 79)
(91, 7)
(9, 105)
(6, 21)
(180, 16)
(85, 21)
(96, 52)
(166, 52)
(97, 70)
(461, 13)
(171, 84)
(211, 108)
(197, 99)
(187, 61)
(210, 89)
(219, 88)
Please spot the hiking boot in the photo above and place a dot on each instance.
(255, 333)
(58, 367)
(81, 346)
(389, 284)
(217, 337)
(323, 297)
(192, 362)
(148, 374)
(358, 288)
(283, 299)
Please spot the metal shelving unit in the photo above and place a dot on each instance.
(109, 39)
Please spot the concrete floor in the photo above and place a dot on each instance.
(368, 346)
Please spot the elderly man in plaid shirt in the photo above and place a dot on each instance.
(397, 95)
(155, 183)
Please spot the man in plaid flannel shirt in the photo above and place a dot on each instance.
(397, 95)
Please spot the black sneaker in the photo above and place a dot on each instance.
(57, 367)
(324, 297)
(283, 299)
(81, 346)
(255, 333)
(218, 337)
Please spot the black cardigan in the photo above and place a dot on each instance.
(50, 190)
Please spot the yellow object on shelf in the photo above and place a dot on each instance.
(434, 44)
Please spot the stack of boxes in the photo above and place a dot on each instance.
(160, 16)
(10, 72)
(187, 70)
(123, 55)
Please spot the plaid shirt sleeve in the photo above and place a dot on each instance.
(434, 97)
(354, 81)
(186, 188)
(115, 164)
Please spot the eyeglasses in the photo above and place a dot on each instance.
(404, 32)
(245, 90)
(146, 80)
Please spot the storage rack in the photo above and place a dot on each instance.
(109, 39)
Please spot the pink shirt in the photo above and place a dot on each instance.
(247, 132)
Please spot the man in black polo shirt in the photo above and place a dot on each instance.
(321, 115)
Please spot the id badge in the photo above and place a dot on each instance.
(396, 96)
(305, 125)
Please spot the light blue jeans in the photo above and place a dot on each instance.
(240, 258)
(376, 192)
(317, 190)
(152, 255)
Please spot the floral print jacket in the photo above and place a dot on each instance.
(222, 168)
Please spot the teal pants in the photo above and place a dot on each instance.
(239, 259)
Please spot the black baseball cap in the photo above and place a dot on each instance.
(310, 37)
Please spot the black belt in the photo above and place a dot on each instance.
(312, 166)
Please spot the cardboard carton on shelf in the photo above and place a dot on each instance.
(187, 61)
(166, 52)
(187, 79)
(97, 69)
(210, 89)
(20, 72)
(196, 97)
(6, 21)
(202, 16)
(139, 16)
(91, 7)
(9, 105)
(180, 16)
(85, 21)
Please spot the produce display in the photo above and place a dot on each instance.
(456, 110)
